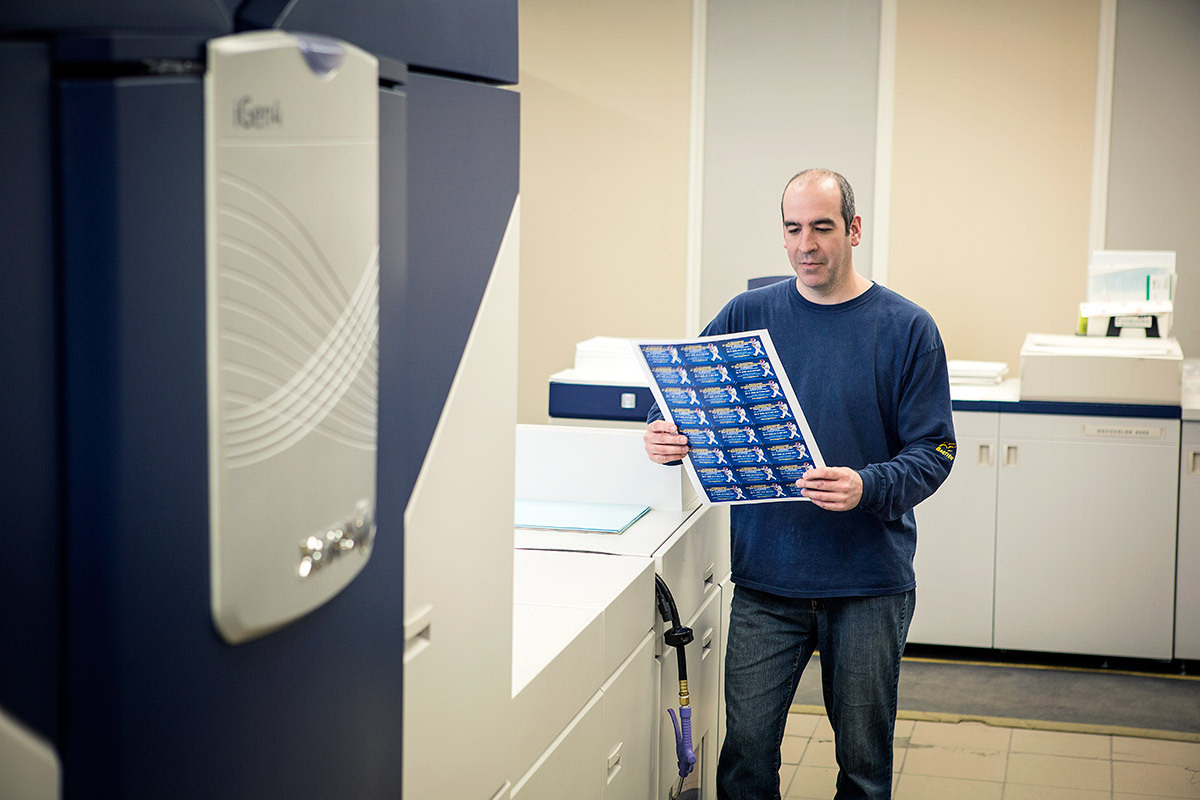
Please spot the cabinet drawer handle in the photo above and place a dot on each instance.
(614, 762)
(1194, 462)
(985, 455)
(1010, 455)
(706, 644)
(418, 633)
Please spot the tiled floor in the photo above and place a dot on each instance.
(975, 761)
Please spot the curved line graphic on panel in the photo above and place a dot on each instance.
(328, 311)
(356, 407)
(327, 276)
(310, 394)
(264, 427)
(311, 334)
(361, 396)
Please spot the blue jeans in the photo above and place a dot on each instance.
(771, 639)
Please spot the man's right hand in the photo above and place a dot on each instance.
(664, 443)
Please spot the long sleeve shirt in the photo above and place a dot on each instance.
(872, 380)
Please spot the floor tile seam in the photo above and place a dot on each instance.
(952, 778)
(898, 768)
(1044, 785)
(984, 749)
(1058, 755)
(1112, 767)
(1017, 723)
(803, 753)
(1106, 759)
(961, 749)
(1007, 761)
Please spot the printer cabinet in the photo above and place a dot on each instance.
(956, 542)
(1187, 583)
(726, 608)
(606, 751)
(570, 767)
(1085, 534)
(696, 558)
(631, 706)
(1056, 533)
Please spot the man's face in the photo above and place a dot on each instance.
(819, 247)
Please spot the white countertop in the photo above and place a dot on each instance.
(557, 596)
(642, 538)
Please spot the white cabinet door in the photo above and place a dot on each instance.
(631, 725)
(1085, 536)
(696, 557)
(571, 767)
(1187, 583)
(956, 542)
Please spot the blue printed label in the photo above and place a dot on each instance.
(701, 437)
(710, 374)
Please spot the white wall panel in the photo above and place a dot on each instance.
(1153, 166)
(790, 85)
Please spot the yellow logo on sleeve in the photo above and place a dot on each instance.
(947, 449)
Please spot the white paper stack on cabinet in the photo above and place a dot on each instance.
(983, 373)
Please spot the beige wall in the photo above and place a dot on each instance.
(990, 175)
(992, 150)
(604, 178)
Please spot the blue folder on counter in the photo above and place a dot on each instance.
(558, 515)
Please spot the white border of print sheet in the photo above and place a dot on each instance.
(772, 356)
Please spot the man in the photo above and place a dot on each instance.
(836, 573)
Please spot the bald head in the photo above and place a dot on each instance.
(818, 175)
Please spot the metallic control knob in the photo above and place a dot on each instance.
(355, 533)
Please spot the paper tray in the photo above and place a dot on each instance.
(559, 515)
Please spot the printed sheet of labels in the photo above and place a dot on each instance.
(748, 439)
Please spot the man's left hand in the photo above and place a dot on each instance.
(832, 488)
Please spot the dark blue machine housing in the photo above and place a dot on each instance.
(109, 649)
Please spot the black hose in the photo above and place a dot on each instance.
(678, 636)
(666, 602)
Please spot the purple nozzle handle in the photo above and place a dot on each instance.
(683, 740)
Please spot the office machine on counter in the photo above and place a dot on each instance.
(606, 384)
(1075, 369)
(1130, 294)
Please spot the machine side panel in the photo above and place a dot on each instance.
(462, 181)
(212, 17)
(157, 704)
(29, 474)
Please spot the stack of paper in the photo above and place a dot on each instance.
(608, 358)
(977, 373)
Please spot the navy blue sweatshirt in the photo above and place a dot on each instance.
(871, 377)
